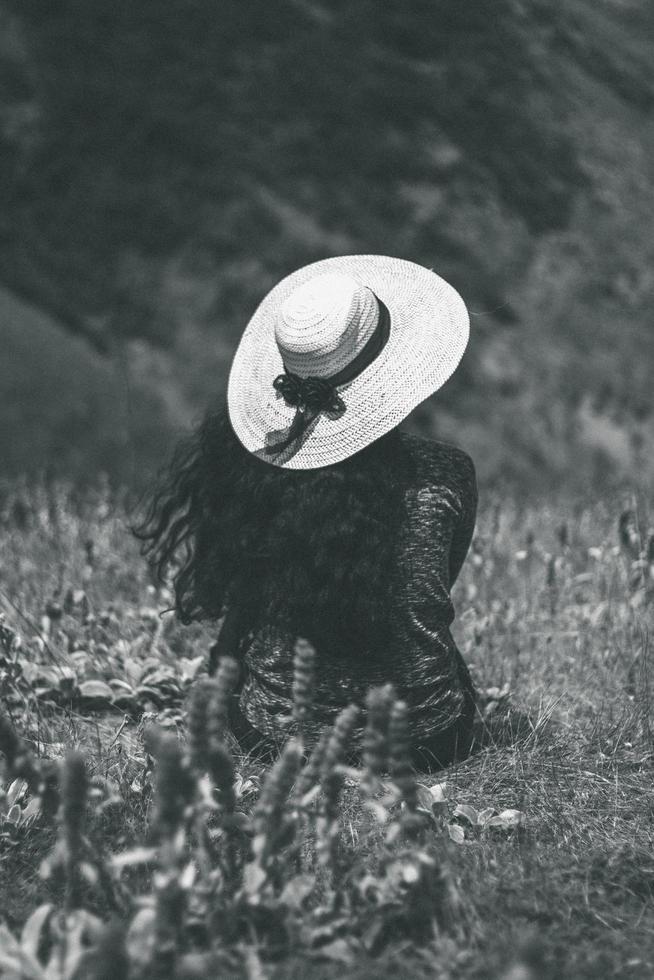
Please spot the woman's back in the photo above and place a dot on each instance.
(418, 656)
(302, 511)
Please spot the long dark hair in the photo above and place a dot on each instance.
(313, 550)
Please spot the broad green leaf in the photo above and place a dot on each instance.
(16, 791)
(15, 962)
(457, 833)
(424, 797)
(32, 810)
(467, 812)
(120, 687)
(32, 930)
(507, 819)
(485, 815)
(160, 675)
(242, 787)
(96, 690)
(189, 667)
(80, 925)
(438, 792)
(14, 814)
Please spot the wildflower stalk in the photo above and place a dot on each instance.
(310, 774)
(401, 769)
(221, 770)
(74, 789)
(10, 744)
(217, 708)
(308, 780)
(400, 755)
(21, 764)
(208, 718)
(108, 960)
(332, 778)
(304, 678)
(375, 736)
(8, 638)
(274, 826)
(202, 694)
(169, 910)
(552, 584)
(340, 739)
(174, 793)
(174, 787)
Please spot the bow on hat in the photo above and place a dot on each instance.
(316, 394)
(311, 396)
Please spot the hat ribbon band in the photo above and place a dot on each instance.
(311, 395)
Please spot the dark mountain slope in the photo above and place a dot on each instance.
(165, 163)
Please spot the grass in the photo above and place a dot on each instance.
(554, 614)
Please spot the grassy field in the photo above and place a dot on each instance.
(534, 858)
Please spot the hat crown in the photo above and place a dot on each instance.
(324, 323)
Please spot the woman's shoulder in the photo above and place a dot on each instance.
(440, 460)
(442, 474)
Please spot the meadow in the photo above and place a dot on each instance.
(137, 841)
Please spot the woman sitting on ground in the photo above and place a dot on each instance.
(301, 510)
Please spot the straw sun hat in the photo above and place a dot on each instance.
(339, 353)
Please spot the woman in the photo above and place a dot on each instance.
(302, 510)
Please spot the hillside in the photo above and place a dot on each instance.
(162, 166)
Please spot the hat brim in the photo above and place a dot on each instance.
(428, 335)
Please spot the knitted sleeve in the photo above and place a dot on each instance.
(467, 513)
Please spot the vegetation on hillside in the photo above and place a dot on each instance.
(165, 163)
(136, 840)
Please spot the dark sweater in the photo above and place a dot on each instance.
(421, 659)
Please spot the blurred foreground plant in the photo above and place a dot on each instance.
(229, 888)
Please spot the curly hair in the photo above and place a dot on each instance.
(312, 550)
